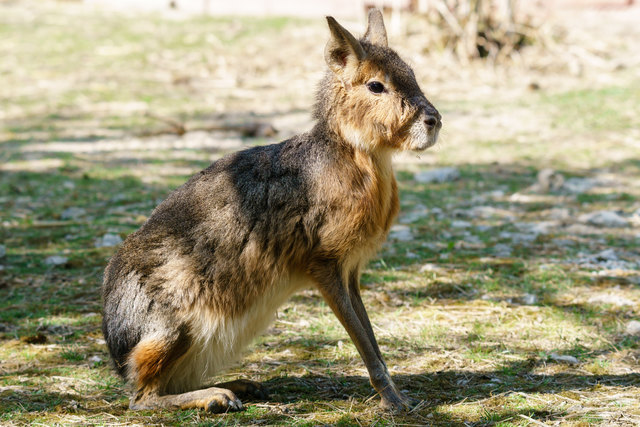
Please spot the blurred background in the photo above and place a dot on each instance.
(509, 289)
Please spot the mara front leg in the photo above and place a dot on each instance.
(348, 307)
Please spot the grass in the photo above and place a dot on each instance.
(470, 332)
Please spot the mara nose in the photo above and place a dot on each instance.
(432, 122)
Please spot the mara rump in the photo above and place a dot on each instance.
(205, 274)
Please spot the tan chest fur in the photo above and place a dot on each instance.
(364, 201)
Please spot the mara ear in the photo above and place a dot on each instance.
(342, 50)
(376, 33)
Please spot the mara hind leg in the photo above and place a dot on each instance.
(151, 363)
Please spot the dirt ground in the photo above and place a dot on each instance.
(508, 293)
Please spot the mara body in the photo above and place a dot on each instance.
(205, 274)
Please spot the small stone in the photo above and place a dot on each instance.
(73, 213)
(56, 260)
(108, 240)
(95, 359)
(604, 219)
(401, 233)
(564, 358)
(633, 328)
(437, 175)
(559, 214)
(3, 251)
(529, 299)
(606, 255)
(578, 185)
(502, 250)
(418, 212)
(460, 224)
(543, 227)
(429, 267)
(611, 299)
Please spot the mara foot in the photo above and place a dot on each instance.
(246, 389)
(213, 399)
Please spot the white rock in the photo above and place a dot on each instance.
(73, 213)
(518, 238)
(529, 299)
(429, 267)
(56, 260)
(578, 185)
(563, 243)
(487, 212)
(559, 214)
(419, 211)
(437, 175)
(460, 224)
(108, 240)
(95, 359)
(633, 328)
(607, 255)
(564, 358)
(612, 299)
(401, 233)
(543, 227)
(604, 219)
(502, 250)
(3, 251)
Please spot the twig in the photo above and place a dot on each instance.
(536, 422)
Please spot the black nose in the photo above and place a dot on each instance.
(432, 122)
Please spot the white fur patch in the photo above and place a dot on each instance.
(220, 339)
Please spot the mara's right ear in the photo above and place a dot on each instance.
(343, 52)
(376, 33)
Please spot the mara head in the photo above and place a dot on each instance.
(370, 96)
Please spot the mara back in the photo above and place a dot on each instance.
(206, 272)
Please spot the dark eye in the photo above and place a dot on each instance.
(375, 87)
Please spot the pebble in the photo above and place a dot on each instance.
(633, 328)
(578, 185)
(437, 175)
(108, 240)
(73, 213)
(564, 358)
(429, 267)
(55, 260)
(543, 227)
(95, 359)
(612, 299)
(529, 299)
(502, 250)
(460, 224)
(604, 219)
(419, 211)
(401, 233)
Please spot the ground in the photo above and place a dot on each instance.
(508, 293)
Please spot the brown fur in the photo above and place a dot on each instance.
(205, 274)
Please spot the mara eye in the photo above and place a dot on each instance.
(375, 87)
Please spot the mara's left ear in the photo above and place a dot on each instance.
(343, 52)
(376, 33)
